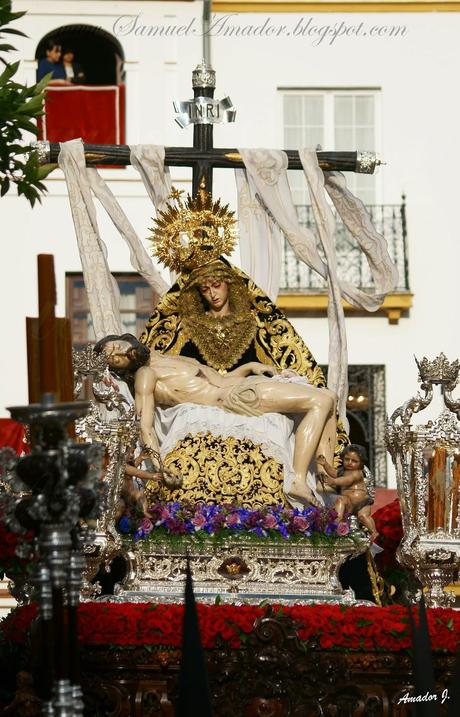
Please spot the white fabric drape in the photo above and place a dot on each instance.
(260, 238)
(272, 431)
(267, 170)
(102, 289)
(149, 161)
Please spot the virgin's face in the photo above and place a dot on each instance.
(215, 293)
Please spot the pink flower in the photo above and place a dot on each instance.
(269, 521)
(198, 521)
(343, 528)
(232, 519)
(299, 523)
(146, 525)
(165, 514)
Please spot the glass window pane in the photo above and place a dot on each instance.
(365, 110)
(344, 139)
(343, 107)
(127, 300)
(313, 136)
(365, 188)
(298, 186)
(364, 138)
(314, 110)
(128, 322)
(293, 138)
(293, 110)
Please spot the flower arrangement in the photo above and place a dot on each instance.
(397, 579)
(323, 626)
(389, 526)
(218, 521)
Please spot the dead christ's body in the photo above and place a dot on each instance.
(169, 381)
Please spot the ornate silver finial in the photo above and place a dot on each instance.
(438, 371)
(366, 162)
(203, 76)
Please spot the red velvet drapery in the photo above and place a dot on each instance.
(94, 113)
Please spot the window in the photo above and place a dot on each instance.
(366, 415)
(336, 120)
(137, 300)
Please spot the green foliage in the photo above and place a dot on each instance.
(19, 106)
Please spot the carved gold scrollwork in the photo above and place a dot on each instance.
(218, 470)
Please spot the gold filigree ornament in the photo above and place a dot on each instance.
(192, 232)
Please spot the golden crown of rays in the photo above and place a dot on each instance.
(192, 232)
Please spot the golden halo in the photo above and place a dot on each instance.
(194, 232)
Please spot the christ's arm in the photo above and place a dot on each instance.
(145, 406)
(234, 377)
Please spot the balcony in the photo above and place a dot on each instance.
(303, 291)
(96, 113)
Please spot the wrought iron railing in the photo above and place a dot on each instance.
(389, 220)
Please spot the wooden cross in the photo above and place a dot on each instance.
(203, 157)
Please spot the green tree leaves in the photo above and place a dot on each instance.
(19, 107)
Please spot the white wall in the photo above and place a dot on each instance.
(419, 128)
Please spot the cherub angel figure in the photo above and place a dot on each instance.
(354, 496)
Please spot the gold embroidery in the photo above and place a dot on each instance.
(221, 341)
(218, 470)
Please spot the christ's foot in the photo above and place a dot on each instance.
(300, 492)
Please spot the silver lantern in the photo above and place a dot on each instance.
(427, 461)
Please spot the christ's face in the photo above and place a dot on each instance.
(215, 293)
(118, 354)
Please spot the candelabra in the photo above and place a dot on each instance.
(427, 461)
(54, 491)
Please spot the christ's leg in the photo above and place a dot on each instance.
(318, 407)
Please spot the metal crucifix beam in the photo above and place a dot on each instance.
(203, 111)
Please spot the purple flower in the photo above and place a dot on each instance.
(330, 528)
(176, 526)
(343, 528)
(124, 524)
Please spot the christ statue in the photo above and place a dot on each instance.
(252, 389)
